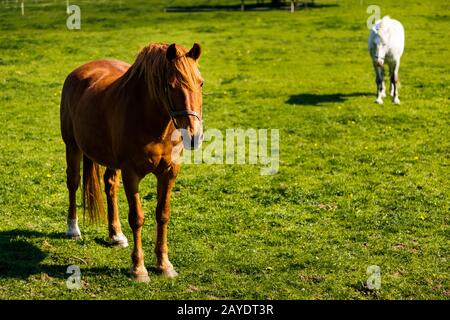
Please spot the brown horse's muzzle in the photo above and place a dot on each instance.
(196, 135)
(191, 132)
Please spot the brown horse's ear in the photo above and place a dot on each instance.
(195, 52)
(171, 52)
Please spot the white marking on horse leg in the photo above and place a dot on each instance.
(119, 240)
(383, 90)
(380, 94)
(396, 100)
(379, 100)
(72, 229)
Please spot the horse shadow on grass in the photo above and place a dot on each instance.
(312, 99)
(268, 5)
(20, 258)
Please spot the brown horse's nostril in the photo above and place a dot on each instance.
(189, 142)
(192, 142)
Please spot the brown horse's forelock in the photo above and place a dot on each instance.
(185, 70)
(152, 64)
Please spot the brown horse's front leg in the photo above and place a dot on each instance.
(165, 184)
(136, 219)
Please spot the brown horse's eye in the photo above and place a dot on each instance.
(201, 84)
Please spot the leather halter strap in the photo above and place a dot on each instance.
(180, 113)
(183, 113)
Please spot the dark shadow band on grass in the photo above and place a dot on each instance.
(20, 258)
(284, 5)
(312, 99)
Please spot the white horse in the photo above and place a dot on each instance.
(386, 44)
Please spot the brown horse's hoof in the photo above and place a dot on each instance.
(168, 273)
(140, 276)
(73, 237)
(119, 240)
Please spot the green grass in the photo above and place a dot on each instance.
(359, 184)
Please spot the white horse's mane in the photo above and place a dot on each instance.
(382, 28)
(384, 23)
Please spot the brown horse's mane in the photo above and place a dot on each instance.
(156, 70)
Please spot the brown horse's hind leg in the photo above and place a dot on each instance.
(136, 220)
(73, 159)
(111, 179)
(165, 184)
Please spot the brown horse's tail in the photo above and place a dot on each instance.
(92, 195)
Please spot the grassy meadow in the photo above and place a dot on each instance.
(359, 184)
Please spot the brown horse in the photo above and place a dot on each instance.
(122, 117)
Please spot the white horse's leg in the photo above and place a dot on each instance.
(391, 79)
(394, 81)
(379, 72)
